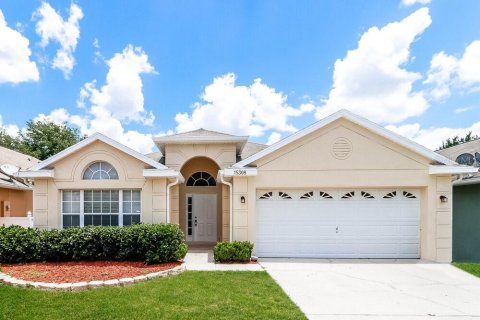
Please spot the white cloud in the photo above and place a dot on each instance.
(442, 67)
(10, 129)
(242, 110)
(15, 64)
(119, 101)
(447, 72)
(469, 65)
(433, 137)
(97, 57)
(274, 137)
(464, 109)
(407, 3)
(52, 27)
(372, 81)
(122, 95)
(58, 116)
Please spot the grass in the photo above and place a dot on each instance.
(190, 295)
(470, 267)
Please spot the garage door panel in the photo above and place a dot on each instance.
(338, 228)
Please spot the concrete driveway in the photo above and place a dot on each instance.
(380, 289)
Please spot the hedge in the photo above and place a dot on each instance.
(233, 251)
(151, 243)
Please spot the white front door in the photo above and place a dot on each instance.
(202, 217)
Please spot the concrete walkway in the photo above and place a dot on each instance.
(378, 289)
(202, 260)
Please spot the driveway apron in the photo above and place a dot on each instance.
(380, 289)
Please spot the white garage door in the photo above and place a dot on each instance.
(338, 223)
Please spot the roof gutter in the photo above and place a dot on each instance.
(434, 170)
(230, 188)
(177, 180)
(35, 174)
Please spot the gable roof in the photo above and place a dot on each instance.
(452, 153)
(19, 160)
(97, 137)
(381, 131)
(251, 148)
(200, 136)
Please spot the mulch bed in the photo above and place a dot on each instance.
(79, 271)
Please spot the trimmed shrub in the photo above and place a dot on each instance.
(233, 251)
(182, 251)
(151, 243)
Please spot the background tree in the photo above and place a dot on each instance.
(41, 139)
(450, 142)
(8, 141)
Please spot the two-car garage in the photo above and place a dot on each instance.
(333, 223)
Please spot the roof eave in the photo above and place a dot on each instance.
(458, 169)
(97, 137)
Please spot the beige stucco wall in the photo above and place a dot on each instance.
(374, 162)
(190, 158)
(176, 155)
(68, 176)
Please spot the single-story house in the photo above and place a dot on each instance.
(16, 194)
(466, 204)
(343, 187)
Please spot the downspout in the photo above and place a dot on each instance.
(177, 180)
(231, 203)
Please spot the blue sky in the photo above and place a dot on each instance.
(133, 69)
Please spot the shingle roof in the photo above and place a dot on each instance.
(251, 148)
(200, 136)
(20, 160)
(468, 147)
(452, 153)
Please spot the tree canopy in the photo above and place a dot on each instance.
(450, 142)
(41, 139)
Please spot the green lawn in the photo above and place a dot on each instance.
(190, 295)
(470, 267)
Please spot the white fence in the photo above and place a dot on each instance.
(25, 222)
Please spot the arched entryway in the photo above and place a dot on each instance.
(200, 201)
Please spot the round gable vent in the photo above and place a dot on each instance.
(341, 148)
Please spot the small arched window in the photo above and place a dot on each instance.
(201, 179)
(100, 170)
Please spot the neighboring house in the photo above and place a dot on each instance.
(343, 187)
(15, 193)
(466, 204)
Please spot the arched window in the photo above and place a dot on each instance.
(201, 179)
(100, 170)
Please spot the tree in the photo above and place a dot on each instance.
(450, 142)
(8, 141)
(41, 139)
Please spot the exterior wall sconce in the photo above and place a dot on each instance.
(242, 199)
(443, 199)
